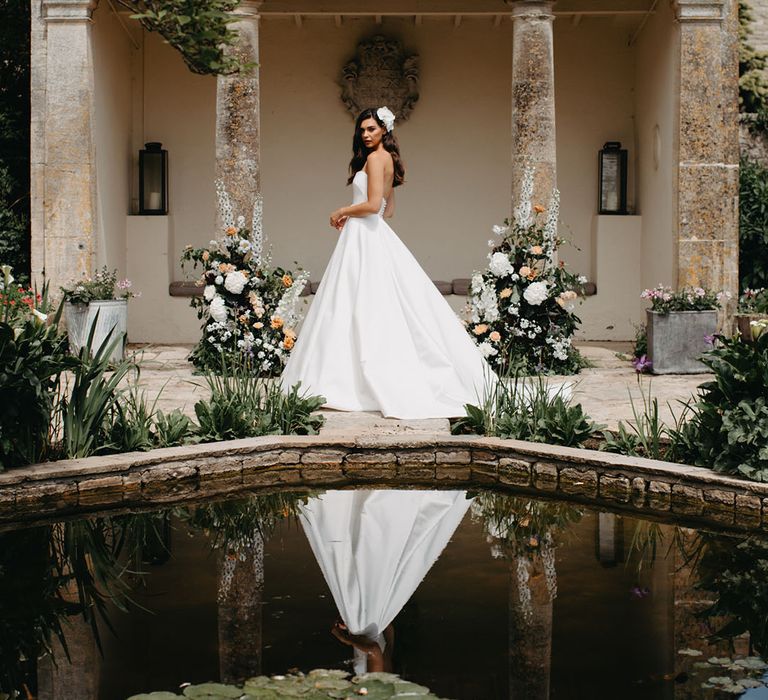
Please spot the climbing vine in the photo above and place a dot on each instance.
(197, 29)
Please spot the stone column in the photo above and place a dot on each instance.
(708, 159)
(533, 97)
(63, 149)
(238, 129)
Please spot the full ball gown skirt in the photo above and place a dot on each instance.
(379, 336)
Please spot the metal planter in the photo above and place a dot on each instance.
(80, 318)
(677, 340)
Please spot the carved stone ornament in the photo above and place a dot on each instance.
(381, 74)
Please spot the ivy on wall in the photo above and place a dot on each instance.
(197, 29)
(753, 88)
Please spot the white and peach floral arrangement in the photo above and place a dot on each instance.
(520, 310)
(250, 309)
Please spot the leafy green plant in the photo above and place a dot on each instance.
(514, 408)
(753, 224)
(753, 88)
(174, 428)
(243, 404)
(86, 409)
(728, 426)
(104, 285)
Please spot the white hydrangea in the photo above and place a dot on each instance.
(218, 309)
(235, 282)
(500, 265)
(209, 292)
(487, 349)
(536, 293)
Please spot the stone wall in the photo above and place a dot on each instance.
(645, 488)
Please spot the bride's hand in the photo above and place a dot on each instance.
(337, 220)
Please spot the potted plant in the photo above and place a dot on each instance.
(752, 314)
(680, 327)
(100, 303)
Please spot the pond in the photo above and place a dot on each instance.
(474, 594)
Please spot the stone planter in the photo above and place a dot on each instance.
(743, 322)
(80, 318)
(677, 340)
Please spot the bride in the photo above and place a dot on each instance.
(379, 336)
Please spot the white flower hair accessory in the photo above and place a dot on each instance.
(386, 115)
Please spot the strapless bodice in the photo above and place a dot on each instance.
(360, 191)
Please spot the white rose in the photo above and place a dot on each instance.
(487, 349)
(499, 265)
(209, 292)
(536, 293)
(219, 279)
(235, 282)
(500, 230)
(218, 309)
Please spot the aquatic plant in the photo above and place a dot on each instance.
(317, 684)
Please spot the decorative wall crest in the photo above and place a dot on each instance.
(381, 74)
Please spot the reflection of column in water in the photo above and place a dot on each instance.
(532, 587)
(241, 589)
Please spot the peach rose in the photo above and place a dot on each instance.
(538, 208)
(231, 230)
(536, 250)
(287, 280)
(495, 336)
(289, 333)
(480, 328)
(504, 293)
(258, 325)
(276, 322)
(206, 255)
(288, 343)
(525, 271)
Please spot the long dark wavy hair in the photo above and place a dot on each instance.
(360, 152)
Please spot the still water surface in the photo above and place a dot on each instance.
(474, 595)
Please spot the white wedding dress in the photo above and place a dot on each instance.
(379, 336)
(375, 547)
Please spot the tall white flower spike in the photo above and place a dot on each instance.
(257, 231)
(523, 210)
(225, 205)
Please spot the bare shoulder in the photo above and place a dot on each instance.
(384, 157)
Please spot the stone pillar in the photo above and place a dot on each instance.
(238, 129)
(63, 150)
(533, 97)
(708, 158)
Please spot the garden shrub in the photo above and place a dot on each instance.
(753, 224)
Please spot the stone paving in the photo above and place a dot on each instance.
(603, 390)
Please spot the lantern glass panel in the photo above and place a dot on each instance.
(153, 180)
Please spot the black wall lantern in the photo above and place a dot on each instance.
(612, 196)
(153, 179)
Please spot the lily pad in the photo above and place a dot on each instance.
(328, 673)
(157, 695)
(405, 689)
(211, 691)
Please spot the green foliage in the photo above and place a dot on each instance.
(728, 426)
(197, 29)
(14, 135)
(173, 428)
(645, 436)
(738, 576)
(87, 408)
(753, 224)
(243, 404)
(753, 88)
(527, 411)
(33, 355)
(317, 685)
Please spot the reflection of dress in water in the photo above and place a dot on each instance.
(375, 547)
(379, 335)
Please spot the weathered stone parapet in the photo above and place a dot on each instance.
(708, 175)
(63, 157)
(533, 97)
(640, 487)
(238, 121)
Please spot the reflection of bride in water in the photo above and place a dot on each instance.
(374, 548)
